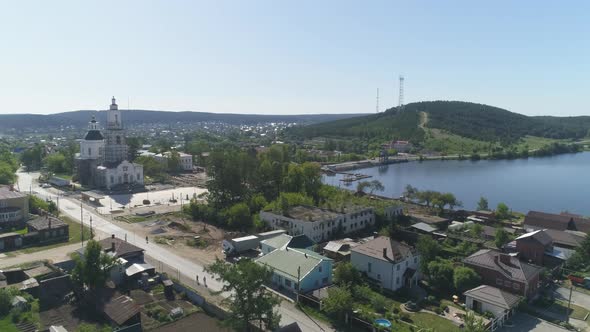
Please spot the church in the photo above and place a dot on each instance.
(103, 161)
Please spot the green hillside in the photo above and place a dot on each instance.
(451, 120)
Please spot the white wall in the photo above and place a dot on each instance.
(389, 274)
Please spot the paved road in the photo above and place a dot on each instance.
(578, 298)
(103, 228)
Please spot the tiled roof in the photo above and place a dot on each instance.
(564, 238)
(120, 309)
(286, 262)
(538, 235)
(514, 269)
(42, 223)
(395, 251)
(493, 295)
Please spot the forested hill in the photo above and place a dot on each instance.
(477, 121)
(134, 117)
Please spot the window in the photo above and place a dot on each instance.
(89, 151)
(415, 260)
(137, 176)
(378, 277)
(325, 280)
(406, 263)
(499, 281)
(112, 179)
(397, 281)
(398, 267)
(516, 286)
(118, 139)
(320, 268)
(369, 267)
(287, 283)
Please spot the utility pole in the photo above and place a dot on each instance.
(91, 233)
(82, 223)
(400, 105)
(377, 106)
(298, 282)
(569, 303)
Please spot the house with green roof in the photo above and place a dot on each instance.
(297, 269)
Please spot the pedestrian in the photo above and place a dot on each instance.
(146, 240)
(205, 281)
(197, 279)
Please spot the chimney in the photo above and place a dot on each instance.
(384, 252)
(112, 236)
(505, 259)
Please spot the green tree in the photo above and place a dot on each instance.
(92, 270)
(346, 274)
(450, 200)
(5, 301)
(411, 193)
(580, 259)
(32, 157)
(482, 204)
(476, 230)
(465, 278)
(174, 165)
(86, 327)
(56, 163)
(249, 302)
(7, 175)
(440, 273)
(501, 237)
(428, 249)
(37, 205)
(239, 217)
(151, 167)
(339, 301)
(502, 211)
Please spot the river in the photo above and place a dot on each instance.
(550, 184)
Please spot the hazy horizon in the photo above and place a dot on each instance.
(305, 57)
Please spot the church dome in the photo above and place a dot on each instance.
(93, 135)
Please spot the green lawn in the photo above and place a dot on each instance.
(75, 237)
(534, 142)
(576, 311)
(427, 320)
(6, 325)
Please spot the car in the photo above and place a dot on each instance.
(45, 185)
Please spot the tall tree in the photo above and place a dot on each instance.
(465, 278)
(339, 301)
(502, 211)
(482, 204)
(501, 237)
(93, 269)
(441, 273)
(473, 323)
(346, 274)
(249, 302)
(428, 249)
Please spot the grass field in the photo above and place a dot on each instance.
(576, 311)
(6, 325)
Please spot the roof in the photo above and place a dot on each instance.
(7, 235)
(120, 309)
(428, 219)
(539, 236)
(333, 246)
(560, 222)
(311, 213)
(513, 269)
(138, 268)
(396, 251)
(57, 328)
(122, 248)
(278, 242)
(93, 135)
(301, 241)
(38, 271)
(293, 327)
(42, 223)
(6, 193)
(494, 296)
(564, 238)
(424, 227)
(287, 262)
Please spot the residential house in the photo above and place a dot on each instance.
(297, 269)
(505, 272)
(339, 249)
(186, 160)
(392, 211)
(120, 310)
(320, 224)
(535, 220)
(9, 241)
(48, 229)
(489, 233)
(434, 221)
(500, 303)
(14, 207)
(565, 239)
(391, 263)
(283, 241)
(533, 246)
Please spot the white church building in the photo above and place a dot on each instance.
(103, 161)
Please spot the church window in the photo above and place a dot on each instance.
(118, 139)
(137, 176)
(112, 179)
(89, 152)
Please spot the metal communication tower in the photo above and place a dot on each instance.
(377, 107)
(400, 106)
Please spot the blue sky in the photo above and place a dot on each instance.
(290, 57)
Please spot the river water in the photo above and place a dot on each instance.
(551, 184)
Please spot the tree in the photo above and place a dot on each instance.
(37, 205)
(476, 230)
(339, 301)
(411, 193)
(441, 273)
(473, 324)
(482, 204)
(428, 249)
(56, 163)
(450, 200)
(346, 274)
(502, 211)
(501, 237)
(465, 278)
(7, 175)
(249, 302)
(5, 301)
(238, 216)
(581, 257)
(93, 268)
(151, 167)
(173, 160)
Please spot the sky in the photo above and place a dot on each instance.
(293, 57)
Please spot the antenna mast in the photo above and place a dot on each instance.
(377, 107)
(400, 106)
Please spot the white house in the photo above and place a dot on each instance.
(186, 160)
(320, 224)
(393, 264)
(293, 268)
(491, 299)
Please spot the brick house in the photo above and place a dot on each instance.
(505, 272)
(533, 246)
